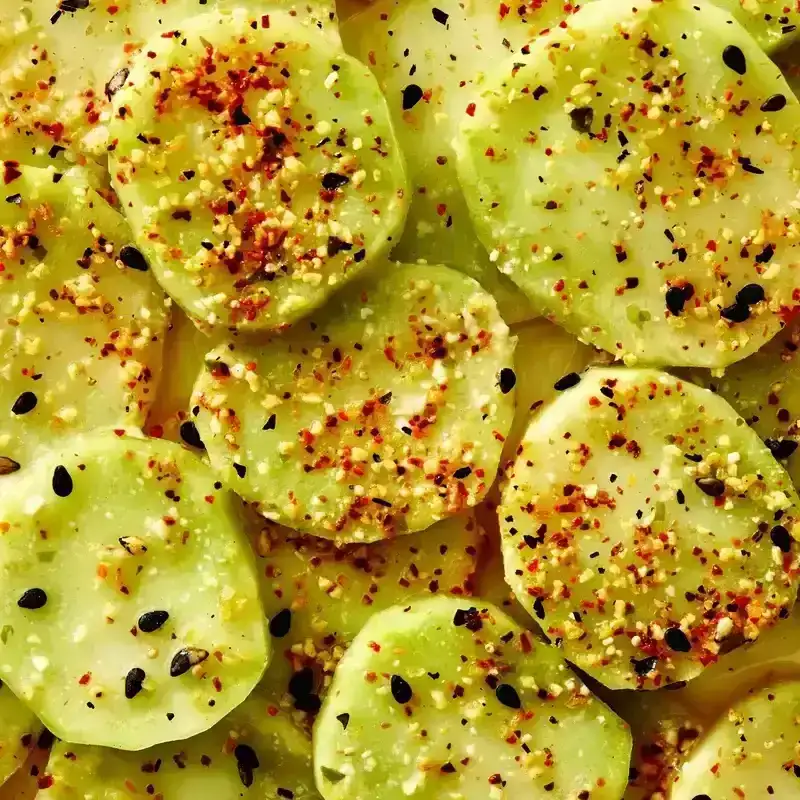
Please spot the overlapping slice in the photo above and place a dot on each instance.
(382, 414)
(647, 527)
(130, 607)
(751, 752)
(254, 752)
(62, 62)
(430, 63)
(642, 192)
(318, 596)
(772, 23)
(258, 166)
(19, 729)
(82, 318)
(445, 698)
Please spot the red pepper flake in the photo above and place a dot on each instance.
(471, 110)
(375, 647)
(711, 245)
(10, 171)
(45, 782)
(503, 10)
(265, 21)
(85, 678)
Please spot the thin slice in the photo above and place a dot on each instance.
(318, 596)
(382, 414)
(31, 776)
(62, 62)
(772, 23)
(258, 166)
(19, 729)
(647, 527)
(430, 62)
(636, 176)
(442, 698)
(765, 390)
(752, 752)
(130, 604)
(254, 752)
(82, 318)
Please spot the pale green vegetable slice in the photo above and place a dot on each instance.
(82, 318)
(636, 176)
(765, 390)
(647, 527)
(61, 62)
(429, 60)
(752, 751)
(772, 23)
(452, 698)
(31, 775)
(130, 605)
(380, 415)
(318, 596)
(255, 752)
(258, 166)
(19, 728)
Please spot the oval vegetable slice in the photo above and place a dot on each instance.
(18, 731)
(443, 697)
(382, 414)
(83, 319)
(647, 527)
(130, 605)
(429, 62)
(751, 752)
(318, 596)
(258, 166)
(254, 752)
(642, 193)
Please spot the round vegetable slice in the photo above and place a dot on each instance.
(751, 752)
(18, 733)
(130, 604)
(642, 193)
(258, 166)
(254, 752)
(647, 527)
(445, 698)
(381, 415)
(318, 596)
(83, 319)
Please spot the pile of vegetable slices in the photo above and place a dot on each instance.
(398, 400)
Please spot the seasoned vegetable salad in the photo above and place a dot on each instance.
(400, 400)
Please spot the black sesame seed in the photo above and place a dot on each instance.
(750, 295)
(185, 659)
(246, 761)
(241, 469)
(269, 425)
(8, 465)
(567, 382)
(676, 298)
(301, 688)
(462, 472)
(344, 719)
(401, 691)
(538, 608)
(765, 256)
(440, 16)
(507, 380)
(24, 404)
(239, 117)
(581, 119)
(539, 92)
(117, 82)
(774, 102)
(644, 666)
(14, 199)
(32, 599)
(333, 180)
(62, 481)
(133, 682)
(133, 259)
(734, 59)
(191, 435)
(469, 618)
(780, 448)
(735, 312)
(151, 621)
(713, 487)
(508, 696)
(781, 539)
(677, 640)
(412, 94)
(281, 623)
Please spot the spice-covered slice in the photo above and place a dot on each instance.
(380, 415)
(258, 166)
(429, 61)
(751, 752)
(448, 698)
(19, 729)
(130, 606)
(643, 191)
(772, 23)
(318, 596)
(82, 318)
(255, 751)
(647, 528)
